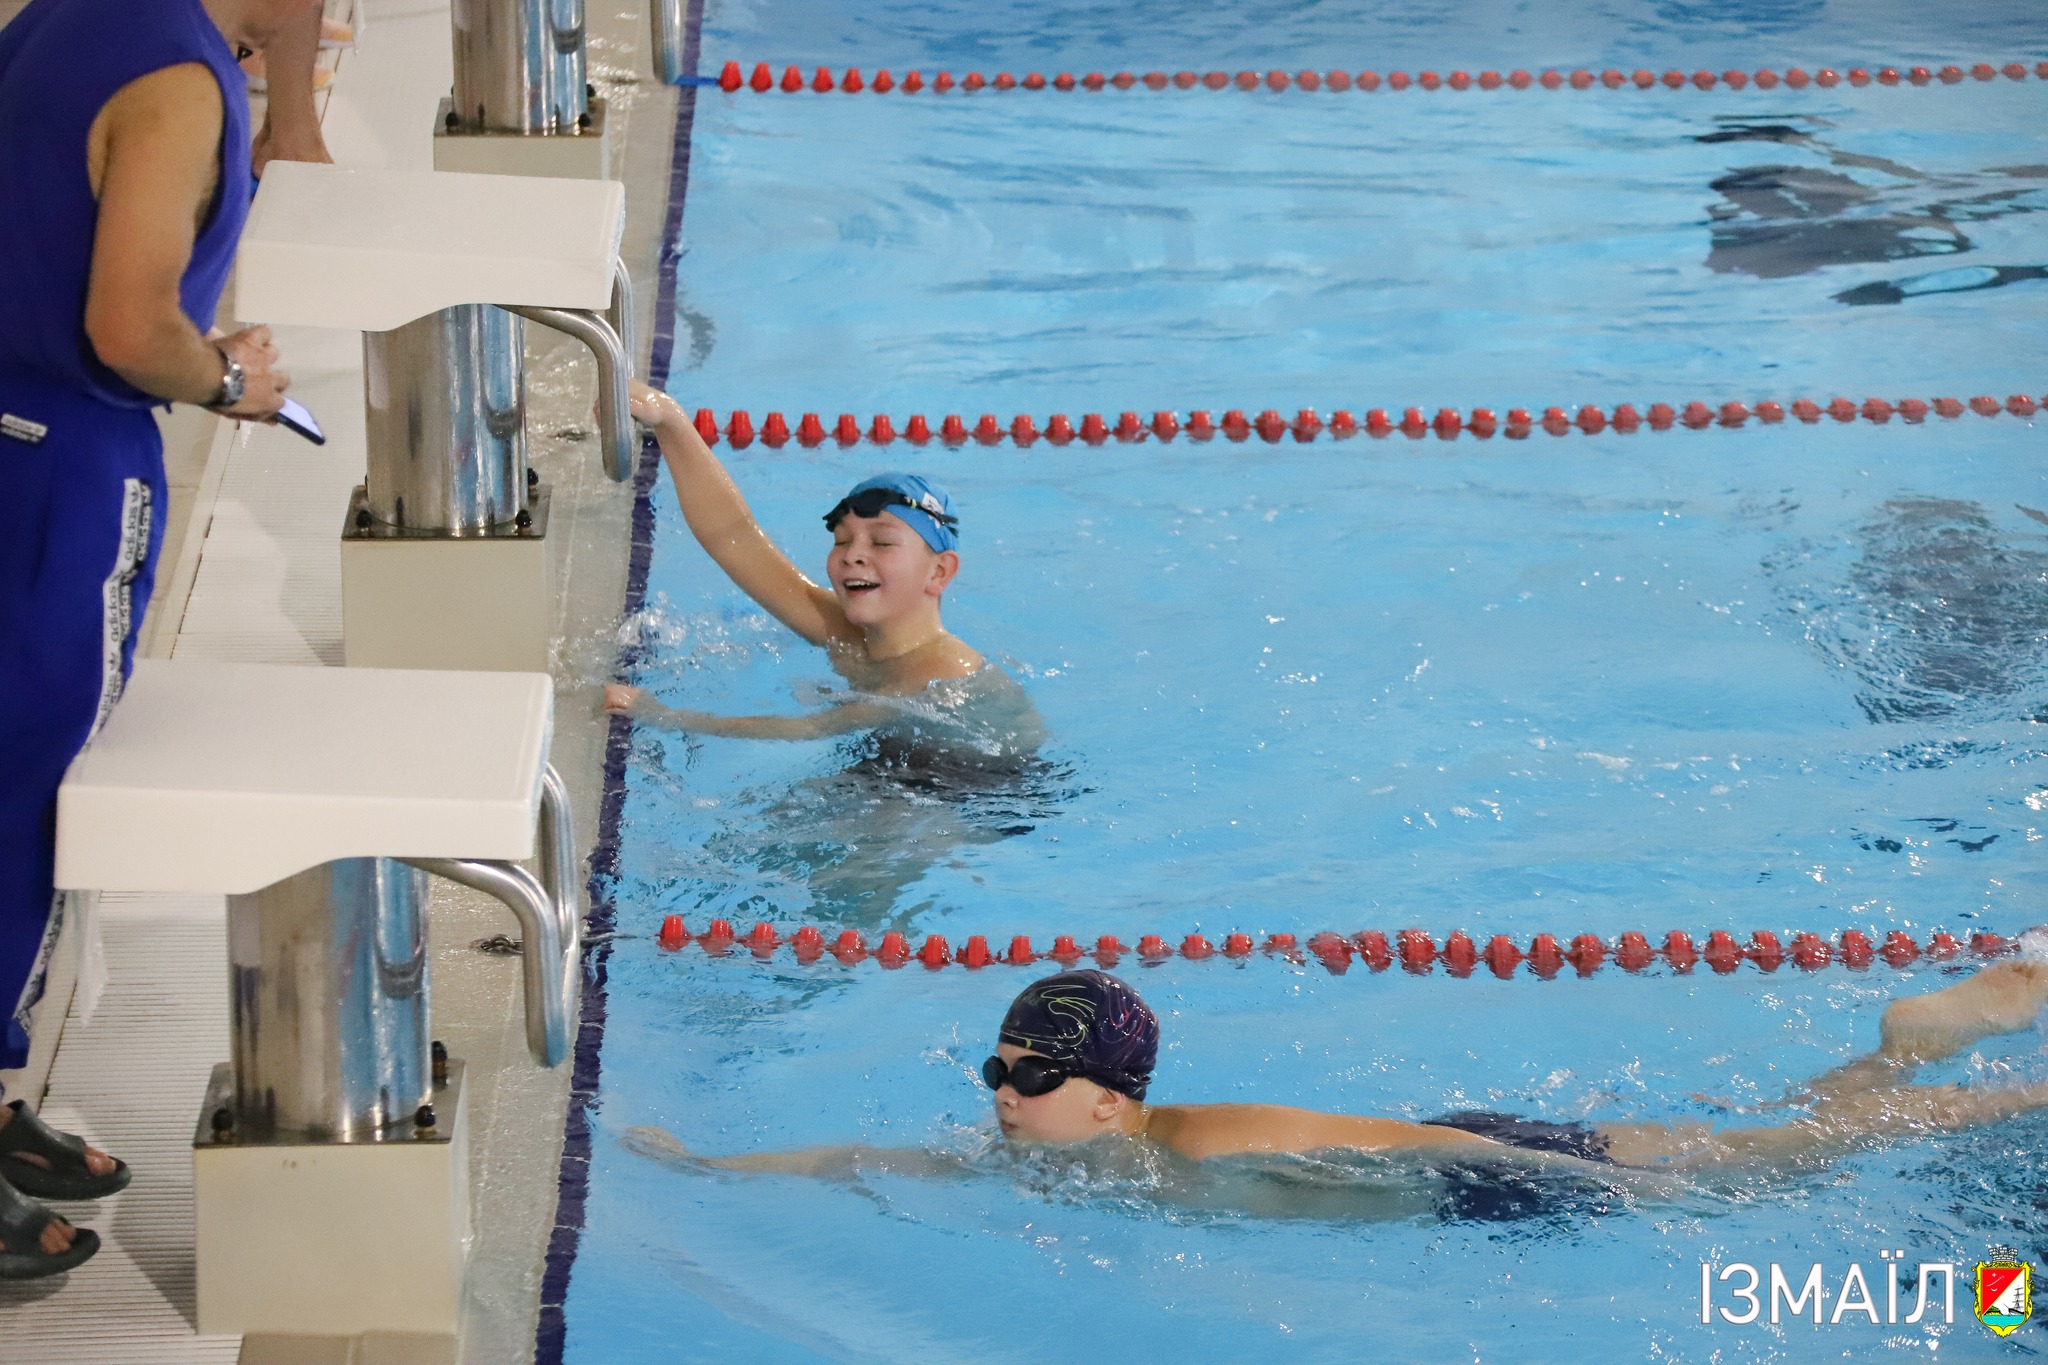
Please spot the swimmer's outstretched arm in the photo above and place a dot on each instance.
(725, 527)
(840, 719)
(825, 1163)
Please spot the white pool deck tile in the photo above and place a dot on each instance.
(251, 573)
(129, 1082)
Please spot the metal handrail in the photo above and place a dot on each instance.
(556, 837)
(614, 377)
(669, 21)
(547, 1013)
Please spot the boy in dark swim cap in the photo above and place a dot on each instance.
(1075, 1055)
(1086, 1026)
(895, 551)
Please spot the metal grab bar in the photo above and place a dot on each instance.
(670, 23)
(614, 375)
(620, 314)
(556, 837)
(547, 1015)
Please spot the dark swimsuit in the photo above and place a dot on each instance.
(1581, 1140)
(1496, 1192)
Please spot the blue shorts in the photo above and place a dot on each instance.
(85, 497)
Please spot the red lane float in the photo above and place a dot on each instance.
(1339, 82)
(1308, 425)
(1414, 949)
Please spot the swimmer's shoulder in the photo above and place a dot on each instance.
(942, 661)
(1201, 1131)
(957, 659)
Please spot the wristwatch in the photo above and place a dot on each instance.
(232, 382)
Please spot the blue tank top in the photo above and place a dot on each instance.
(60, 62)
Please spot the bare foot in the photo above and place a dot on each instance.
(2005, 997)
(96, 1161)
(57, 1235)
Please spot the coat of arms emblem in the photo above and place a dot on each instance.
(2005, 1291)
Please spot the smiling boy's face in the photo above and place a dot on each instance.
(881, 570)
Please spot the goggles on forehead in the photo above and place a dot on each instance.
(872, 502)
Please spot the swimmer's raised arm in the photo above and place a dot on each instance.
(842, 718)
(825, 1163)
(724, 525)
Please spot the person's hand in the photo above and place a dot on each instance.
(650, 406)
(621, 700)
(651, 1141)
(263, 384)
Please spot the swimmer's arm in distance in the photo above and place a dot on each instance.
(839, 719)
(825, 1163)
(724, 525)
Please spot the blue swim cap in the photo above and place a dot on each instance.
(1092, 1022)
(919, 503)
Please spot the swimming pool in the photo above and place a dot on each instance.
(1786, 676)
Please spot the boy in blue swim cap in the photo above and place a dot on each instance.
(1076, 1051)
(895, 551)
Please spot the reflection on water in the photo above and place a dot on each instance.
(1777, 221)
(1938, 615)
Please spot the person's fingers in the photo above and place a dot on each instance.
(649, 409)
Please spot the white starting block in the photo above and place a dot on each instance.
(444, 548)
(330, 1163)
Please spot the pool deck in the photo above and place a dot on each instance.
(251, 573)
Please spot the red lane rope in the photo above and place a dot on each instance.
(850, 82)
(1412, 949)
(1307, 425)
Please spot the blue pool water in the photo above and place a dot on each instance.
(1790, 677)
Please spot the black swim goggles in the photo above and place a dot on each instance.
(872, 502)
(1029, 1076)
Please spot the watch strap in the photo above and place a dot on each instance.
(232, 382)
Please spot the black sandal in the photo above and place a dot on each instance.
(22, 1257)
(67, 1176)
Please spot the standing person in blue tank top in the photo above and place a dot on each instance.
(124, 150)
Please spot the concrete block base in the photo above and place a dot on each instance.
(484, 603)
(562, 156)
(300, 1240)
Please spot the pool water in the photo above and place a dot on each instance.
(1790, 677)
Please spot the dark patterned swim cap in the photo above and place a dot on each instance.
(1092, 1022)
